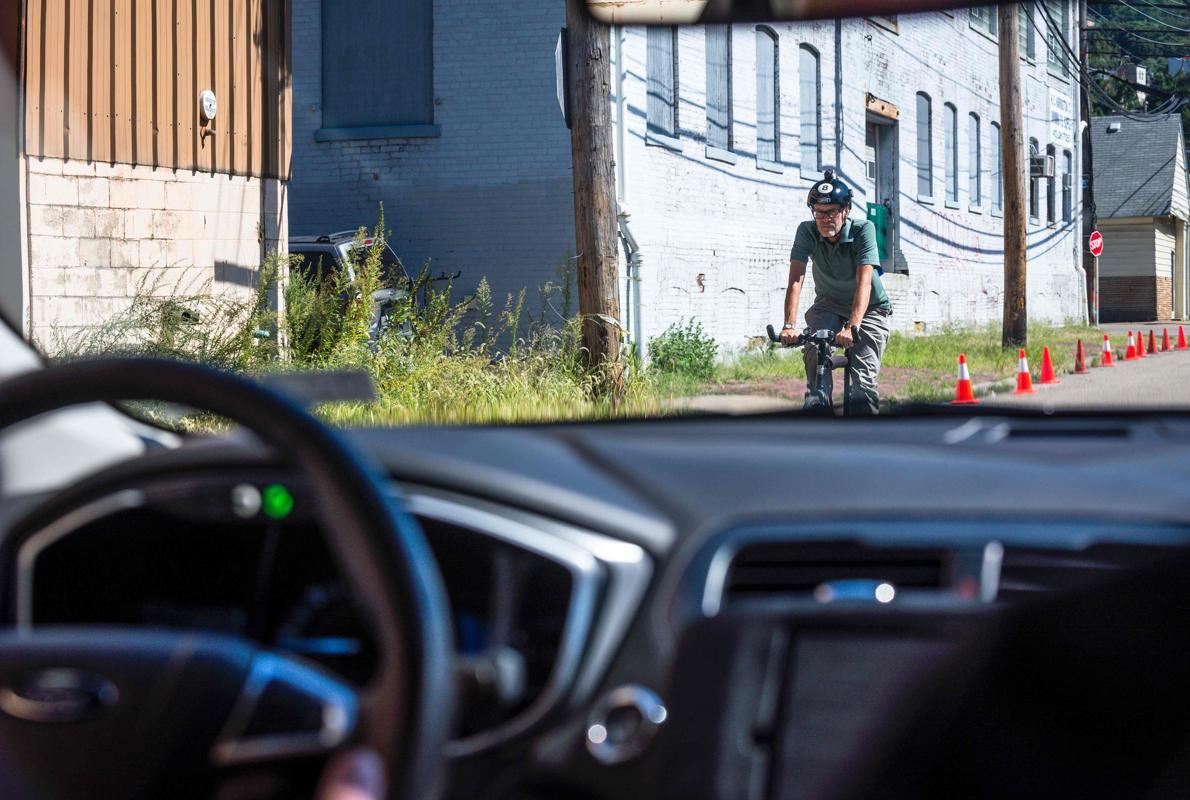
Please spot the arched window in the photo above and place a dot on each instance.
(974, 162)
(719, 110)
(950, 151)
(810, 109)
(996, 170)
(1034, 204)
(925, 153)
(768, 95)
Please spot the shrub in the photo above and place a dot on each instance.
(685, 350)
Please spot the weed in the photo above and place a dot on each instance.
(684, 350)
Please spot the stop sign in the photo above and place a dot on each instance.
(1095, 243)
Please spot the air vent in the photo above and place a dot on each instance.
(1030, 571)
(790, 569)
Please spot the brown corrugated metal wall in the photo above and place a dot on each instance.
(118, 81)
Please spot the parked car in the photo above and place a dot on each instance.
(327, 255)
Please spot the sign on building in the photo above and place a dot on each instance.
(1061, 119)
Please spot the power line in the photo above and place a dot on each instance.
(1154, 19)
(1086, 80)
(1163, 7)
(1128, 32)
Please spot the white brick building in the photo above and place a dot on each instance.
(489, 191)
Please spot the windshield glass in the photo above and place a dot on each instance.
(846, 216)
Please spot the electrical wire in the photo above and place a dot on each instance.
(1086, 80)
(1173, 14)
(1133, 33)
(1154, 19)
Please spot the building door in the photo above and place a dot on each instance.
(880, 175)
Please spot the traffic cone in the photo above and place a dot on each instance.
(1152, 341)
(962, 390)
(1165, 346)
(1140, 344)
(1024, 381)
(1182, 339)
(1047, 368)
(1105, 360)
(1080, 360)
(1130, 353)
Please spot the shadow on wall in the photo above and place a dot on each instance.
(236, 274)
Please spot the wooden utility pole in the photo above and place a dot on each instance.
(1090, 221)
(588, 45)
(1012, 142)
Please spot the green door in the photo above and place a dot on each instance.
(878, 216)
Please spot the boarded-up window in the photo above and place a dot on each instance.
(661, 66)
(997, 171)
(810, 108)
(768, 95)
(1028, 49)
(377, 63)
(974, 162)
(950, 150)
(1051, 189)
(925, 154)
(1067, 186)
(985, 19)
(719, 129)
(1058, 41)
(1034, 201)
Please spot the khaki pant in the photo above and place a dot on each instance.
(864, 365)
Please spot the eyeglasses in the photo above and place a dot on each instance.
(826, 213)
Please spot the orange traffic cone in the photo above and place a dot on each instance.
(1140, 344)
(1105, 360)
(1152, 341)
(1024, 381)
(1165, 346)
(1130, 353)
(962, 390)
(1080, 360)
(1182, 339)
(1047, 368)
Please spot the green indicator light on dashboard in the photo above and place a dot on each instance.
(278, 502)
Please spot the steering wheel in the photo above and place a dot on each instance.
(154, 713)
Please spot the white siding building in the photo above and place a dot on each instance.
(720, 132)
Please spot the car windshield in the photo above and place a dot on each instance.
(595, 217)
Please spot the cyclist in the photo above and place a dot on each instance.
(849, 297)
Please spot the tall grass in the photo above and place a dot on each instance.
(436, 359)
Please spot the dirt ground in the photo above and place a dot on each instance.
(894, 383)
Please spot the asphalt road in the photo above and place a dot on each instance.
(1157, 381)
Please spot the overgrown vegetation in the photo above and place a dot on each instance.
(684, 350)
(433, 357)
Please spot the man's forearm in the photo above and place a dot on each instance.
(863, 292)
(793, 292)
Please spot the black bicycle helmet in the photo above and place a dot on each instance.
(829, 190)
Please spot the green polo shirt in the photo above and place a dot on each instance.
(835, 265)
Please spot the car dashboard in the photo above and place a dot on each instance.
(694, 608)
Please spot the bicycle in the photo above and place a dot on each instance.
(819, 385)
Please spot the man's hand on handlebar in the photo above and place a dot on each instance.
(790, 337)
(845, 338)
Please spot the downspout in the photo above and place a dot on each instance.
(839, 96)
(632, 255)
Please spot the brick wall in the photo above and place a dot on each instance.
(493, 194)
(99, 233)
(1124, 299)
(734, 223)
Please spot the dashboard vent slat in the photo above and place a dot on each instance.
(791, 569)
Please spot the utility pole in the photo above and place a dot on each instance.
(1016, 321)
(1090, 221)
(588, 44)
